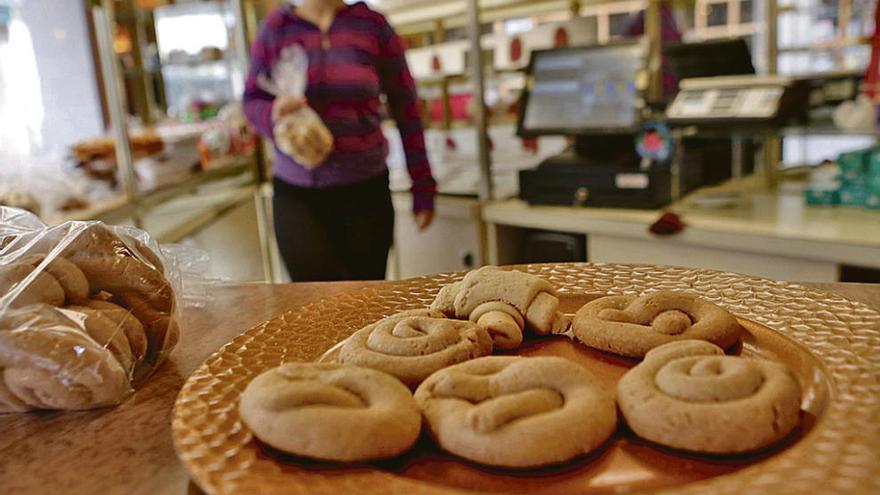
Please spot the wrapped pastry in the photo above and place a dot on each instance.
(302, 134)
(503, 302)
(47, 361)
(86, 311)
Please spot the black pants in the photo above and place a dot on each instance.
(337, 233)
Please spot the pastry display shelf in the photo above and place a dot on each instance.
(135, 203)
(184, 217)
(121, 206)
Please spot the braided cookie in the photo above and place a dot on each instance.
(413, 344)
(331, 412)
(515, 411)
(632, 326)
(689, 395)
(503, 302)
(46, 362)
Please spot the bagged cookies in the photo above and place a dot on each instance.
(87, 312)
(302, 134)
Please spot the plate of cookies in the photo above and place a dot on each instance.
(555, 378)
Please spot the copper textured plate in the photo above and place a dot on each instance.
(833, 345)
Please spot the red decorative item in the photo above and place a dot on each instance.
(872, 76)
(450, 144)
(515, 49)
(560, 38)
(669, 223)
(530, 144)
(435, 63)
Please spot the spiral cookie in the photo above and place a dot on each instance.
(58, 281)
(414, 344)
(517, 412)
(503, 302)
(125, 321)
(331, 412)
(632, 326)
(689, 395)
(46, 362)
(131, 273)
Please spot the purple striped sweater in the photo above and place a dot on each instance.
(360, 58)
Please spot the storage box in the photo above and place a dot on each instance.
(874, 170)
(854, 166)
(853, 195)
(821, 197)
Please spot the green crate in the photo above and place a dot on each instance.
(873, 174)
(823, 197)
(873, 200)
(874, 161)
(854, 165)
(853, 195)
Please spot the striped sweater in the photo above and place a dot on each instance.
(357, 59)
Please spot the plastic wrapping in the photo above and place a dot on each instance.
(301, 134)
(87, 312)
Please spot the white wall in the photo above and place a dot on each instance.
(71, 102)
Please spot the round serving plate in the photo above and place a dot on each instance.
(831, 343)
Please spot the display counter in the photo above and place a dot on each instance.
(770, 234)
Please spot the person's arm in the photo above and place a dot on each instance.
(257, 102)
(400, 89)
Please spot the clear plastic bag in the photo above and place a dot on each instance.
(301, 134)
(87, 312)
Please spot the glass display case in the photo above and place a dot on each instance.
(200, 73)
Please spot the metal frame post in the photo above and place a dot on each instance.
(476, 66)
(102, 15)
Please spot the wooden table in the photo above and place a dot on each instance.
(128, 449)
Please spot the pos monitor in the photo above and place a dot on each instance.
(584, 90)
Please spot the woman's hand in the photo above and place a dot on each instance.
(285, 105)
(423, 219)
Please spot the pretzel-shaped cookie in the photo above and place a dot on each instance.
(503, 302)
(331, 411)
(413, 344)
(515, 411)
(46, 362)
(689, 395)
(632, 326)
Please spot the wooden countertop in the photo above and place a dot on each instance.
(128, 449)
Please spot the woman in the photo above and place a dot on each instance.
(336, 221)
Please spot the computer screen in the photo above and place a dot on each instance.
(726, 57)
(583, 90)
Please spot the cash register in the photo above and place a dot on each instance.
(594, 95)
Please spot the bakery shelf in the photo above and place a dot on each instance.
(121, 206)
(206, 215)
(164, 193)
